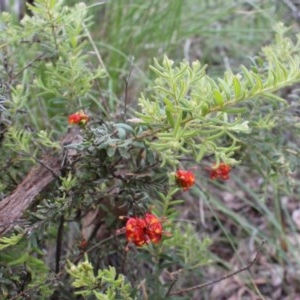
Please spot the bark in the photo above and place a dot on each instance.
(13, 206)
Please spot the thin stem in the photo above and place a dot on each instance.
(95, 49)
(53, 30)
(59, 243)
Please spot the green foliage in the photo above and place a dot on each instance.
(190, 113)
(67, 183)
(44, 138)
(123, 167)
(47, 69)
(186, 248)
(20, 141)
(25, 266)
(107, 285)
(10, 241)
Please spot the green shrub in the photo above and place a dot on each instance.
(124, 167)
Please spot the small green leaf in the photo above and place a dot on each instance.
(170, 118)
(224, 87)
(248, 75)
(275, 97)
(241, 127)
(111, 151)
(259, 84)
(282, 70)
(272, 78)
(178, 124)
(237, 88)
(201, 153)
(169, 104)
(124, 126)
(186, 105)
(219, 101)
(205, 109)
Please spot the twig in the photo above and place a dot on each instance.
(55, 174)
(27, 66)
(126, 87)
(95, 48)
(206, 284)
(170, 287)
(59, 243)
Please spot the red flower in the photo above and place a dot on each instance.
(154, 228)
(78, 118)
(135, 231)
(141, 231)
(185, 179)
(220, 172)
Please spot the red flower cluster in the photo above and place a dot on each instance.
(141, 231)
(219, 172)
(185, 179)
(79, 118)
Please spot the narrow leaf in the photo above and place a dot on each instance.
(219, 100)
(248, 76)
(224, 86)
(237, 88)
(170, 118)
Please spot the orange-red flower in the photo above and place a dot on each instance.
(185, 179)
(141, 231)
(154, 228)
(79, 118)
(219, 172)
(135, 231)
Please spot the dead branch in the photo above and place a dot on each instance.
(13, 206)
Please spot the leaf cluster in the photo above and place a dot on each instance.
(45, 67)
(190, 113)
(106, 285)
(25, 267)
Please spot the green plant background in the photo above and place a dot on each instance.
(98, 59)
